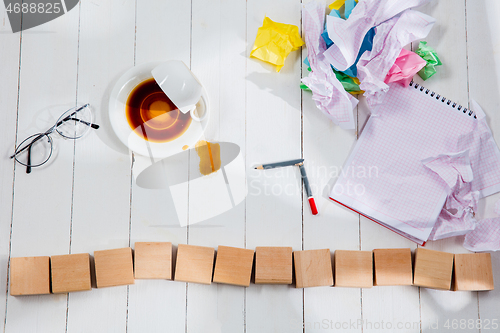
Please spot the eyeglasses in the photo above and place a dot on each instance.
(37, 149)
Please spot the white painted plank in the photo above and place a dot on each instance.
(273, 134)
(395, 306)
(9, 72)
(42, 204)
(102, 166)
(448, 38)
(163, 33)
(401, 310)
(326, 147)
(155, 305)
(483, 45)
(218, 60)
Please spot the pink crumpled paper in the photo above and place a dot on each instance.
(328, 93)
(406, 66)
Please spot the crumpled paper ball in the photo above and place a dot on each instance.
(275, 41)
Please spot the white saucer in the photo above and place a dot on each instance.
(117, 102)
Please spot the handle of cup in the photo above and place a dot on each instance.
(203, 105)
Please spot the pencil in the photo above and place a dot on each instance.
(279, 164)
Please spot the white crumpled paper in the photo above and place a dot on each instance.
(328, 93)
(347, 35)
(467, 187)
(390, 38)
(457, 216)
(485, 237)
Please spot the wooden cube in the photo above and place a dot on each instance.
(70, 273)
(393, 267)
(473, 271)
(273, 265)
(233, 266)
(194, 264)
(114, 267)
(433, 269)
(29, 276)
(353, 269)
(313, 268)
(153, 260)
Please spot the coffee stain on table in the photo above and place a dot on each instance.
(209, 154)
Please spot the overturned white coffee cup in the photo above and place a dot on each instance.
(181, 86)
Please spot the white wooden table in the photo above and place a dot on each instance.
(86, 200)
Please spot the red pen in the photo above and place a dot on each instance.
(310, 197)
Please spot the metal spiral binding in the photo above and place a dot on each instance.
(443, 99)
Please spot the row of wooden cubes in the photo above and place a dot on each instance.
(391, 267)
(273, 265)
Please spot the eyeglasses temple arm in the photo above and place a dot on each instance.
(28, 166)
(94, 126)
(32, 142)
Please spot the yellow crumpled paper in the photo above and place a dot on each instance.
(337, 4)
(275, 41)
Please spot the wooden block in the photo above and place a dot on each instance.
(273, 265)
(393, 267)
(153, 260)
(70, 273)
(29, 276)
(114, 267)
(194, 264)
(313, 268)
(353, 269)
(473, 271)
(433, 269)
(233, 266)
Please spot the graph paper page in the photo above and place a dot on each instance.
(384, 177)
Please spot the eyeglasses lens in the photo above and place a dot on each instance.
(75, 122)
(35, 150)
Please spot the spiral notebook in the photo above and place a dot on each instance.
(385, 178)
